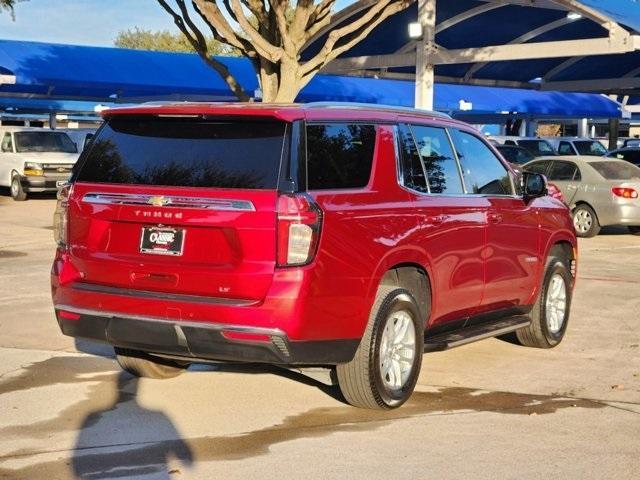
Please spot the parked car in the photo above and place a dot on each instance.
(599, 191)
(344, 236)
(515, 155)
(630, 154)
(81, 136)
(34, 160)
(537, 146)
(577, 146)
(631, 142)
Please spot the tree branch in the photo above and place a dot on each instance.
(262, 46)
(360, 28)
(219, 25)
(199, 43)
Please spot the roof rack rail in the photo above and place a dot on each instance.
(374, 106)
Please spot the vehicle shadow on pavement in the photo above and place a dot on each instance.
(121, 441)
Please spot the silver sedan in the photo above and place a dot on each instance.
(599, 191)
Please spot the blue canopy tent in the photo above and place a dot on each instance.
(63, 78)
(560, 45)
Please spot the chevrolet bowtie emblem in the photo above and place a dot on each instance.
(159, 201)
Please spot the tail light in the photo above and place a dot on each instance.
(299, 223)
(555, 192)
(60, 220)
(624, 192)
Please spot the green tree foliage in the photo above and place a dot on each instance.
(166, 41)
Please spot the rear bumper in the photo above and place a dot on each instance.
(201, 341)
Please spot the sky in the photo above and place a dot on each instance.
(85, 22)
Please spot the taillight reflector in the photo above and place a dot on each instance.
(299, 222)
(624, 192)
(68, 315)
(246, 337)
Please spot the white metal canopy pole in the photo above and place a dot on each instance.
(424, 52)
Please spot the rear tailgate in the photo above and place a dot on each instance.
(182, 207)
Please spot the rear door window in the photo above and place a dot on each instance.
(538, 167)
(564, 171)
(339, 155)
(187, 153)
(590, 147)
(483, 172)
(438, 160)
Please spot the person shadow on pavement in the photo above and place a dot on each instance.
(127, 440)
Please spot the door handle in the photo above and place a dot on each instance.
(572, 187)
(494, 218)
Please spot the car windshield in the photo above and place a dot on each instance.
(44, 142)
(537, 147)
(519, 156)
(616, 170)
(590, 147)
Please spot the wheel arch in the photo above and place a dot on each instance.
(412, 275)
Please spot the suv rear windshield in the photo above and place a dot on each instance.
(186, 153)
(44, 142)
(616, 170)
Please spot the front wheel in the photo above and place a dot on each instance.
(140, 364)
(550, 314)
(385, 368)
(17, 192)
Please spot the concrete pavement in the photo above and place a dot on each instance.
(487, 410)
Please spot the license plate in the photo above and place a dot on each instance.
(162, 240)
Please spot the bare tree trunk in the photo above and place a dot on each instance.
(274, 41)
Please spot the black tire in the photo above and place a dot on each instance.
(140, 364)
(539, 334)
(634, 229)
(360, 380)
(592, 227)
(17, 193)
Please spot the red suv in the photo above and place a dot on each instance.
(345, 236)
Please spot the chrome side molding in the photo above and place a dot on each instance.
(168, 201)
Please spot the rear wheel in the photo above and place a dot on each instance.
(634, 230)
(140, 364)
(550, 314)
(385, 368)
(17, 193)
(585, 221)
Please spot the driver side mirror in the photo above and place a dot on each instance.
(534, 185)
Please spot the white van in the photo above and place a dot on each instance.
(35, 160)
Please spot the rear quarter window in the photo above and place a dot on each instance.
(339, 155)
(186, 153)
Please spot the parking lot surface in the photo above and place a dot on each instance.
(488, 410)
